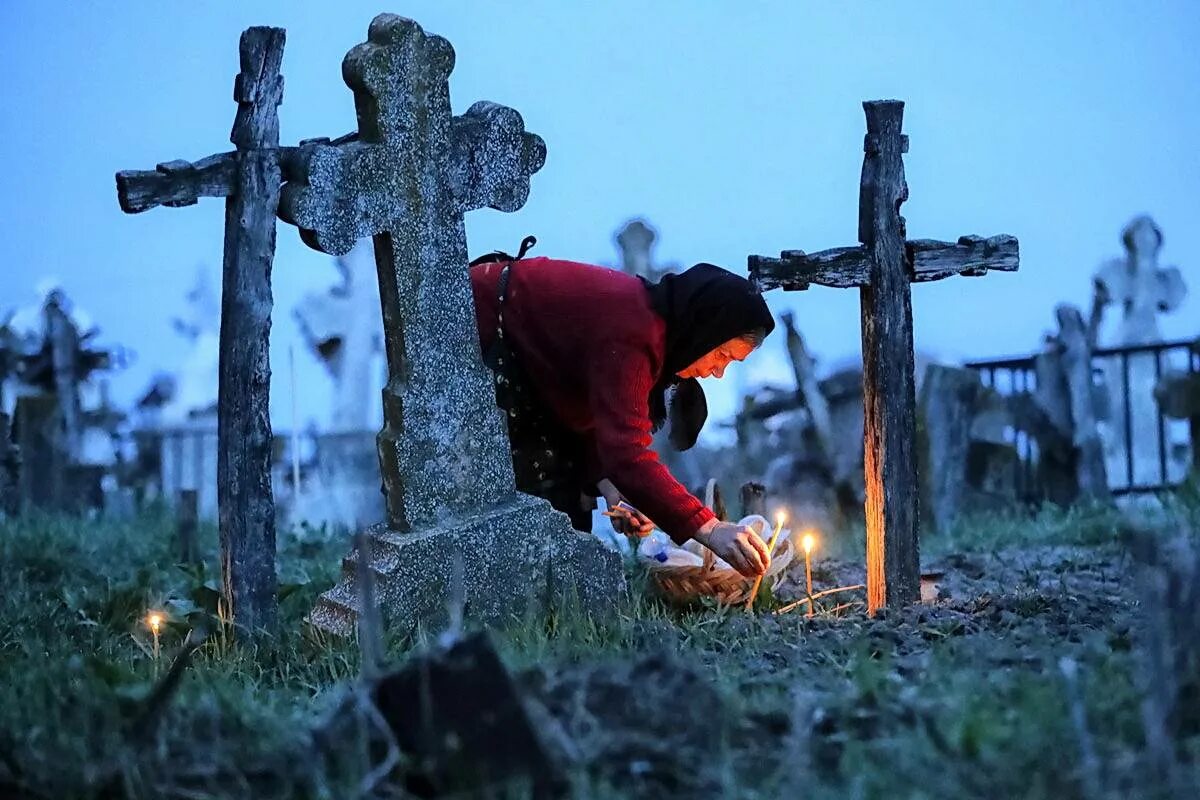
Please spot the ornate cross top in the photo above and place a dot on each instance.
(882, 267)
(407, 179)
(410, 156)
(1138, 285)
(636, 241)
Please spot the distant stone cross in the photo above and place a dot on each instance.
(249, 178)
(342, 326)
(1138, 285)
(882, 267)
(407, 180)
(636, 240)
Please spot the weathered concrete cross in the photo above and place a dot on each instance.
(636, 240)
(882, 267)
(249, 178)
(407, 180)
(1138, 285)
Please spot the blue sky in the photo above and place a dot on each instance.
(734, 128)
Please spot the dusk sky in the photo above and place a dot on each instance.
(733, 128)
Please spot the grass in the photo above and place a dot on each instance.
(915, 705)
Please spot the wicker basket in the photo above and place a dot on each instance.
(682, 585)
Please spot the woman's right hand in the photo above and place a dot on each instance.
(739, 546)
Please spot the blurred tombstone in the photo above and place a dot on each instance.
(38, 427)
(805, 487)
(1062, 416)
(808, 390)
(63, 346)
(49, 361)
(342, 485)
(844, 396)
(187, 525)
(753, 499)
(1142, 290)
(10, 469)
(342, 327)
(991, 457)
(192, 388)
(178, 411)
(54, 357)
(947, 403)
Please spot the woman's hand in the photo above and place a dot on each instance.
(628, 520)
(625, 518)
(739, 546)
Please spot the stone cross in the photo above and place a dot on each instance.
(249, 179)
(42, 479)
(1138, 285)
(1142, 290)
(407, 180)
(882, 267)
(635, 241)
(55, 358)
(343, 327)
(62, 344)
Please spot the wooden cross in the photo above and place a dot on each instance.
(882, 267)
(408, 179)
(249, 179)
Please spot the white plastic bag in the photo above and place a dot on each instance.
(658, 550)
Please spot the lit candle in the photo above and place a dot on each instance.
(807, 543)
(155, 621)
(780, 516)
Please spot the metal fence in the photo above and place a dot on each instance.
(1126, 414)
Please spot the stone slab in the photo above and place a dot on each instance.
(519, 557)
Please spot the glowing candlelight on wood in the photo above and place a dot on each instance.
(155, 620)
(780, 516)
(807, 543)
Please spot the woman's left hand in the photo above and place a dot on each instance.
(625, 518)
(628, 519)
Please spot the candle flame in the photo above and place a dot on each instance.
(155, 620)
(808, 542)
(780, 517)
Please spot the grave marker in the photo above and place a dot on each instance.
(407, 180)
(249, 179)
(883, 267)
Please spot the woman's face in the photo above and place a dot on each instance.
(713, 363)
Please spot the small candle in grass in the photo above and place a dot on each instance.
(780, 516)
(155, 620)
(808, 542)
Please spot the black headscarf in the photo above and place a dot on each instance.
(703, 307)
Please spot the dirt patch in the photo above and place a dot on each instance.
(644, 725)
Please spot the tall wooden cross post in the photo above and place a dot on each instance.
(882, 267)
(249, 179)
(408, 179)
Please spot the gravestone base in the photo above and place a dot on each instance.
(521, 557)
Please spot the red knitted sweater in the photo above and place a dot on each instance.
(592, 346)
